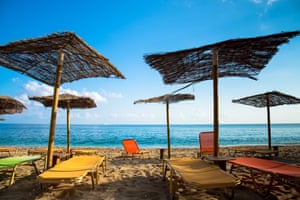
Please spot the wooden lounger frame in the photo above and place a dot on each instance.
(280, 171)
(196, 172)
(73, 174)
(20, 160)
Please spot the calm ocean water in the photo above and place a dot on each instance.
(148, 136)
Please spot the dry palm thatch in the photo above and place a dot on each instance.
(10, 105)
(67, 101)
(237, 57)
(54, 60)
(167, 98)
(273, 98)
(38, 57)
(268, 100)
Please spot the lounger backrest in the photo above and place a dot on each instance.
(206, 141)
(130, 146)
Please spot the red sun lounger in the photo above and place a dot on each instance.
(277, 170)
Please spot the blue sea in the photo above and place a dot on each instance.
(148, 136)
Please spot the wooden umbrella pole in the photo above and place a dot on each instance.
(68, 128)
(269, 122)
(168, 129)
(216, 102)
(54, 109)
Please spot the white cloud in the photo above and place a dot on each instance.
(34, 108)
(112, 94)
(69, 91)
(35, 89)
(23, 97)
(94, 95)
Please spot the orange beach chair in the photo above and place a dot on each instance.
(131, 148)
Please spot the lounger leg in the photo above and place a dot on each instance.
(92, 178)
(253, 179)
(35, 167)
(12, 178)
(45, 162)
(229, 192)
(97, 175)
(171, 193)
(232, 193)
(270, 184)
(104, 167)
(173, 184)
(231, 168)
(164, 170)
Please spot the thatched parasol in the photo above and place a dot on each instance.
(267, 100)
(67, 101)
(9, 105)
(237, 57)
(54, 60)
(167, 99)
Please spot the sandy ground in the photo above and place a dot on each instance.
(141, 178)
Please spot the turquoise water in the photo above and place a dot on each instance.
(148, 136)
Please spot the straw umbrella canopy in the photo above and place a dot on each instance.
(67, 101)
(236, 57)
(167, 99)
(268, 100)
(56, 59)
(9, 105)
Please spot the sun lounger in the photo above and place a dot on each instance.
(276, 170)
(255, 152)
(43, 151)
(58, 154)
(197, 172)
(76, 152)
(9, 151)
(74, 169)
(15, 161)
(206, 144)
(131, 148)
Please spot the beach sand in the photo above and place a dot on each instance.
(138, 178)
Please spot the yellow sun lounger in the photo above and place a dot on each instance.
(74, 169)
(14, 161)
(196, 172)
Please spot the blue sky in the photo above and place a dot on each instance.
(124, 31)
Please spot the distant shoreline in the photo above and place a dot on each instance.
(225, 124)
(151, 148)
(148, 136)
